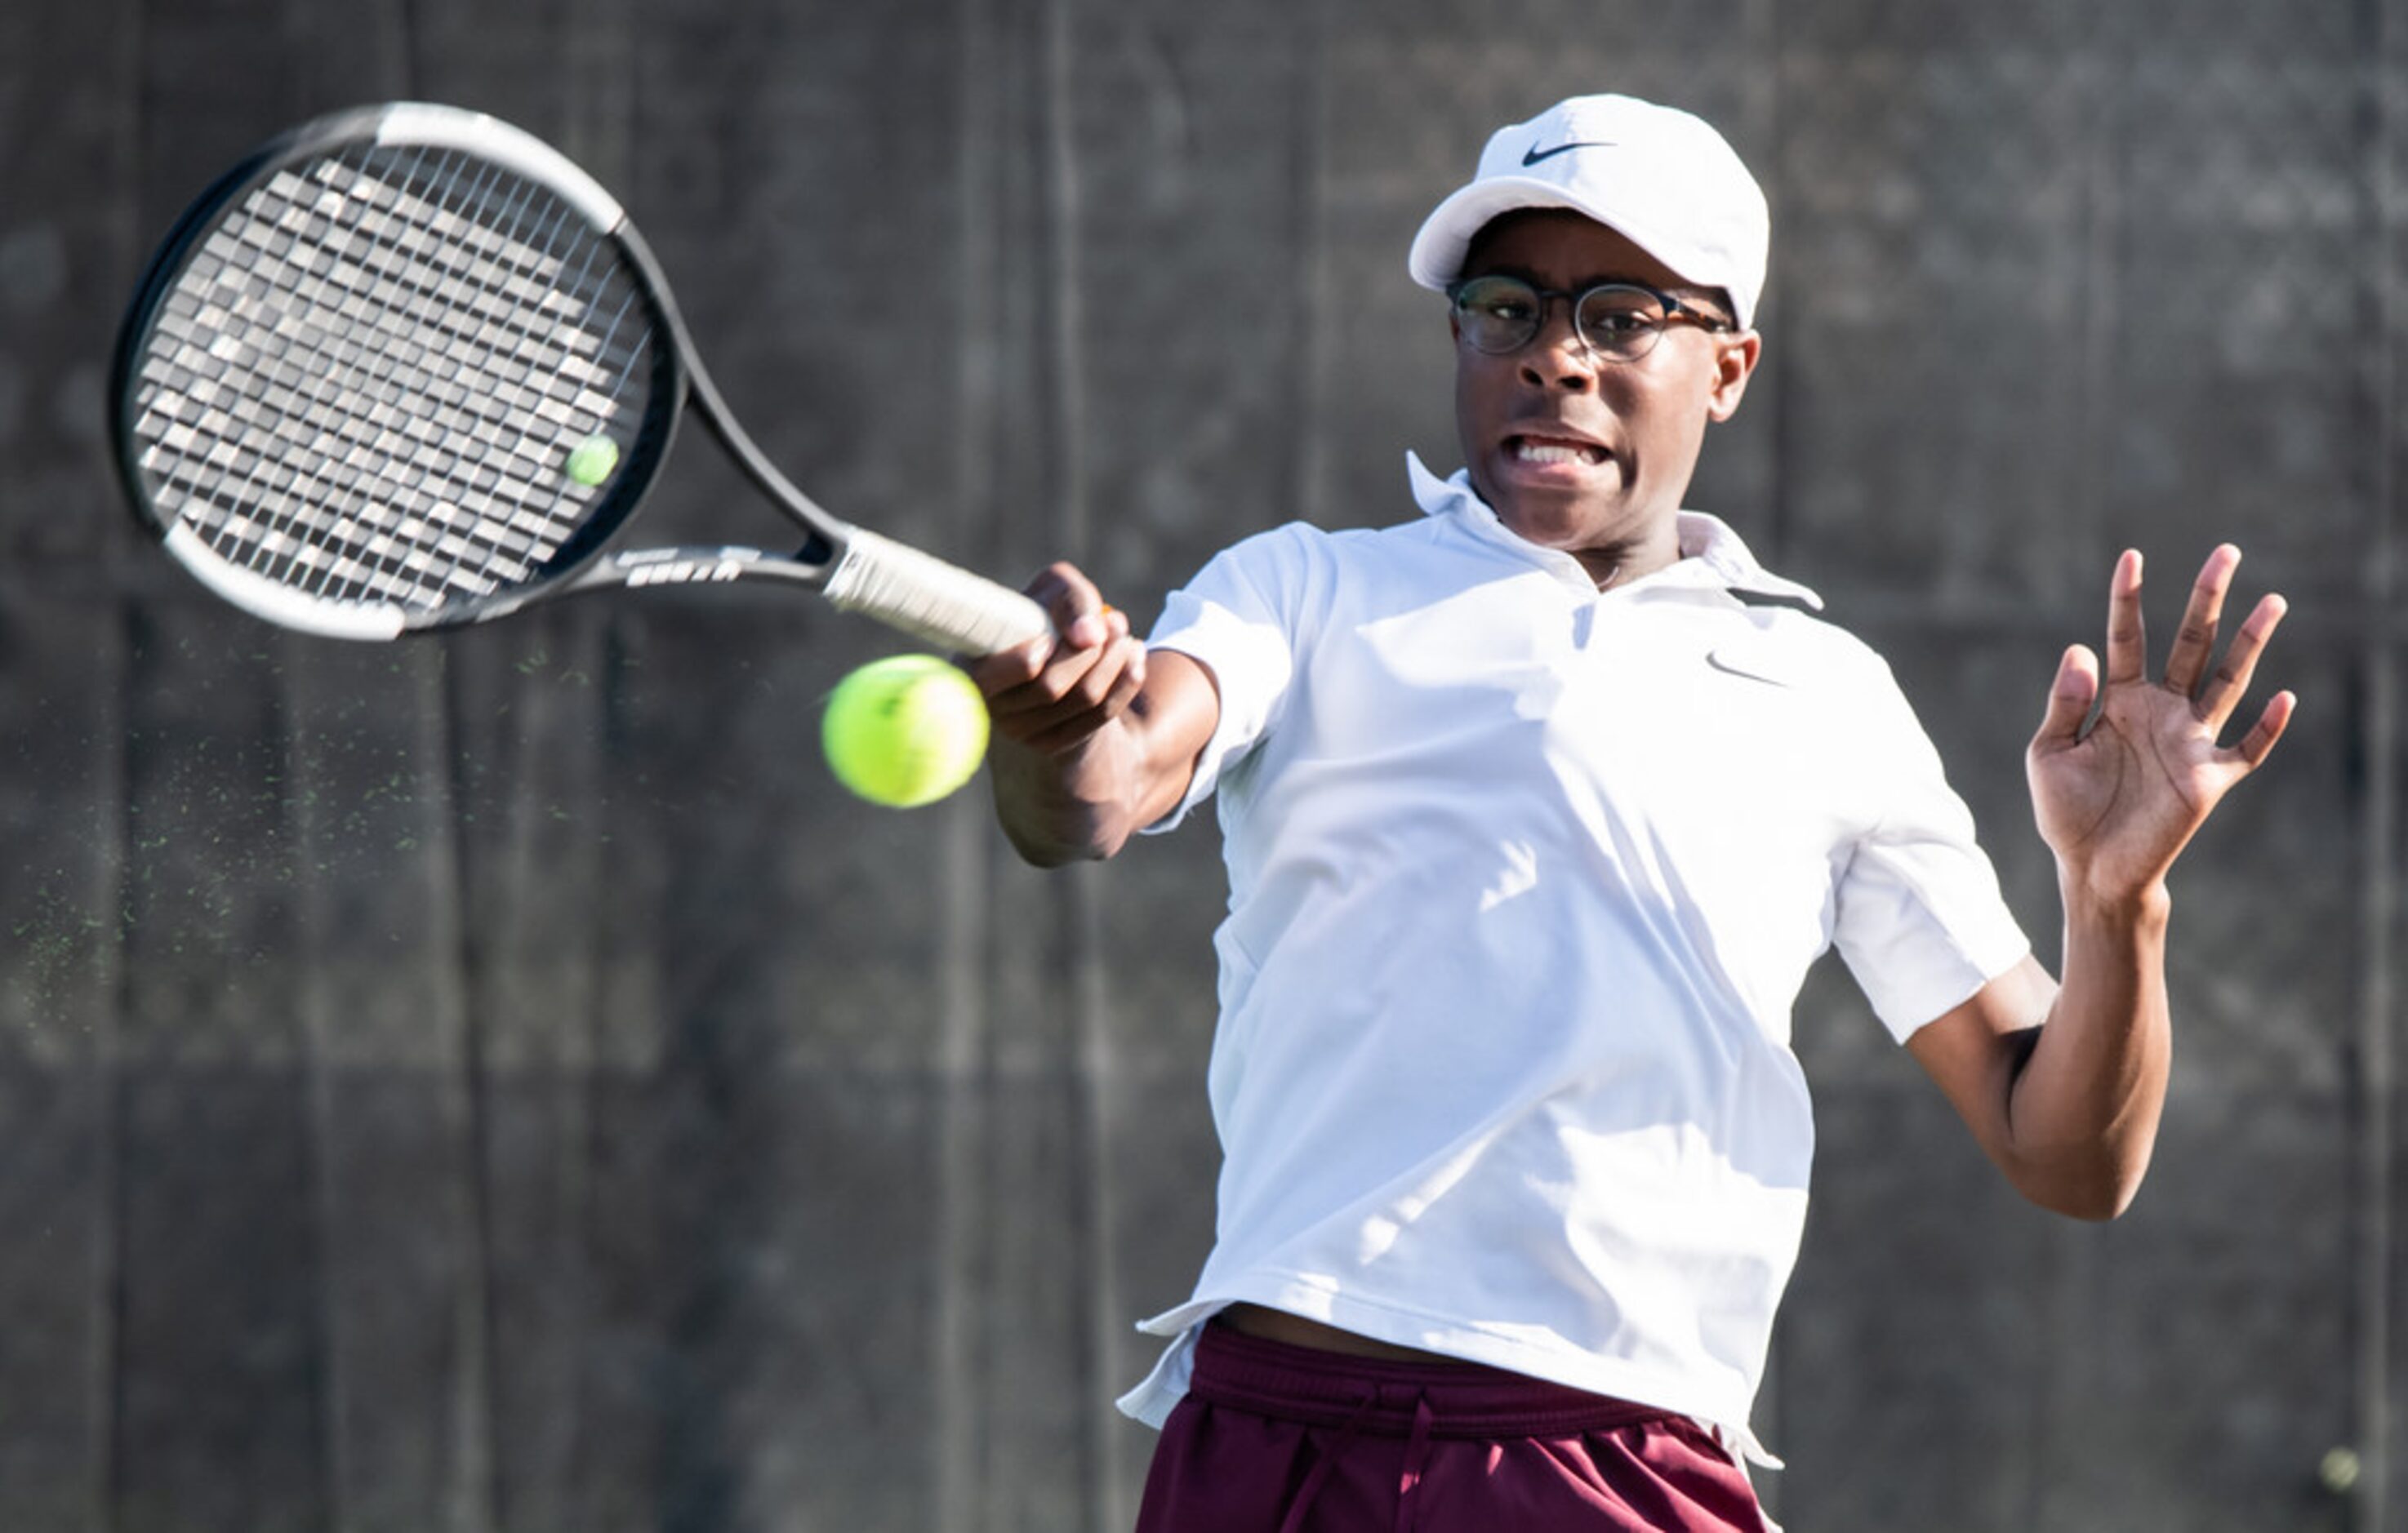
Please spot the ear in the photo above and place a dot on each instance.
(1735, 360)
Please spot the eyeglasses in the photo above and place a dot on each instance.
(1619, 321)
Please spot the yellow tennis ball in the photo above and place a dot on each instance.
(589, 462)
(905, 731)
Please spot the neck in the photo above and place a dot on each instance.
(1626, 560)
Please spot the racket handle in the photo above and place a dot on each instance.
(930, 599)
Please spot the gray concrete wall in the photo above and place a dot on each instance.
(501, 1084)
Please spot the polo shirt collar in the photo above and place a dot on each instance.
(1712, 554)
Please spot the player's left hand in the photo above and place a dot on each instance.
(2118, 800)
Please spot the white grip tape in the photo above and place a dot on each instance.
(930, 599)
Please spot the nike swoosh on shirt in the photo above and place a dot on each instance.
(1733, 665)
(1534, 154)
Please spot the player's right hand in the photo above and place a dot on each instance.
(1053, 695)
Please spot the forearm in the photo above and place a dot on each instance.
(1081, 789)
(1072, 806)
(2082, 1109)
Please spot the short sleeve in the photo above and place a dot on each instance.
(1239, 619)
(1920, 922)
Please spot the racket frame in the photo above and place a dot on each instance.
(857, 569)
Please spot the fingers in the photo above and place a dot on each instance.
(2257, 745)
(1075, 611)
(2222, 691)
(2192, 670)
(1078, 692)
(2213, 688)
(2128, 644)
(2070, 699)
(1049, 693)
(2195, 641)
(1074, 603)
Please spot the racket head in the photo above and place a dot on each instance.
(363, 384)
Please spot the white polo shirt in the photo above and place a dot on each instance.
(1524, 878)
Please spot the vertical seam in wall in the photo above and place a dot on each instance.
(2380, 896)
(1307, 488)
(1777, 508)
(1764, 24)
(958, 1443)
(114, 982)
(477, 1471)
(2068, 1257)
(300, 799)
(584, 1140)
(1096, 1293)
(1061, 190)
(2097, 311)
(114, 834)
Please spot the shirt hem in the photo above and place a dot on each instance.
(1152, 1399)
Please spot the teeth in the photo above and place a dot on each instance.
(1528, 450)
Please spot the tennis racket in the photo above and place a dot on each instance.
(407, 367)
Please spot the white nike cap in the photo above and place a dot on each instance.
(1664, 179)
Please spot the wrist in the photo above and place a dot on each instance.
(2143, 908)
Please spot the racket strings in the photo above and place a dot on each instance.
(483, 392)
(364, 382)
(302, 400)
(309, 411)
(305, 399)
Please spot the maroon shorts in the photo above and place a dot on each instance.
(1277, 1438)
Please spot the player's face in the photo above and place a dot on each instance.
(1573, 451)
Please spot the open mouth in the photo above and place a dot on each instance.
(1549, 451)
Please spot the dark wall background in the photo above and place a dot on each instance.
(501, 1084)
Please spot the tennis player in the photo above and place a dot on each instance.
(1535, 809)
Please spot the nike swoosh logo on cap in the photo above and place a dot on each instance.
(1534, 154)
